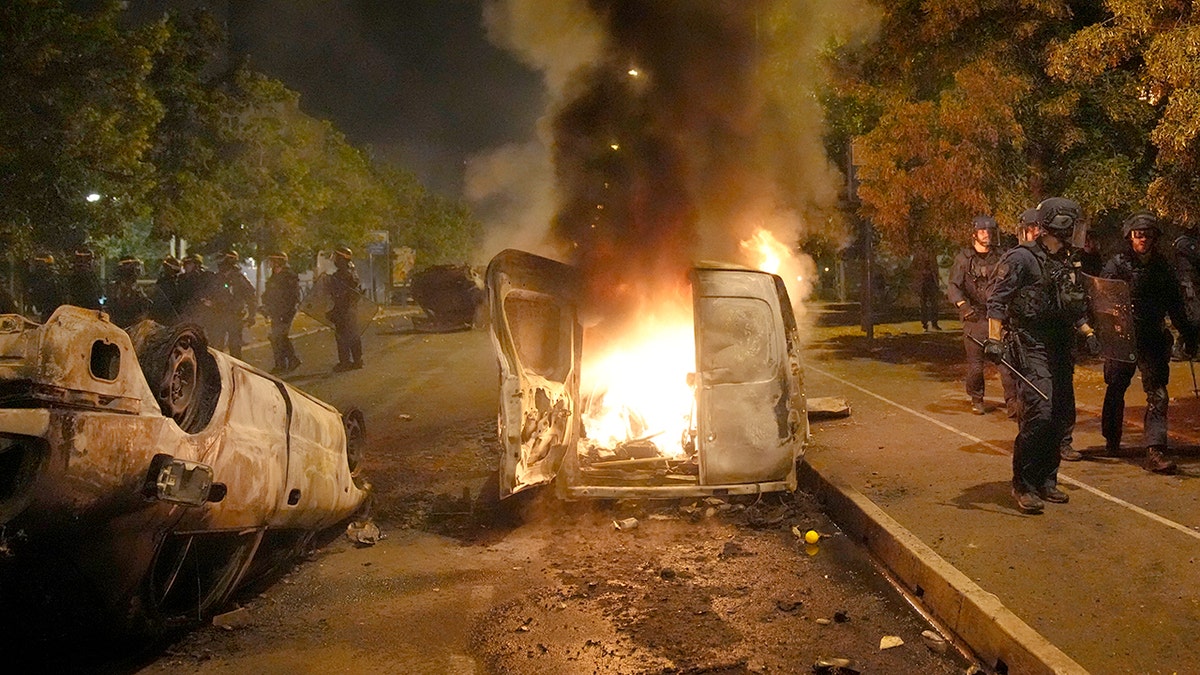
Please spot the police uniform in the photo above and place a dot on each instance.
(43, 294)
(1187, 268)
(165, 305)
(280, 299)
(343, 291)
(233, 305)
(971, 278)
(1040, 303)
(83, 284)
(1155, 294)
(197, 286)
(125, 303)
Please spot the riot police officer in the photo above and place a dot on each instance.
(1155, 294)
(125, 303)
(233, 304)
(43, 294)
(279, 302)
(197, 285)
(970, 284)
(83, 284)
(1036, 308)
(165, 305)
(1187, 267)
(344, 292)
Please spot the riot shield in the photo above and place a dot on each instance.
(1111, 312)
(318, 303)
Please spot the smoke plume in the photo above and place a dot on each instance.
(674, 130)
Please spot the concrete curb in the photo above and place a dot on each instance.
(1004, 642)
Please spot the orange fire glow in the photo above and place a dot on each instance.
(636, 385)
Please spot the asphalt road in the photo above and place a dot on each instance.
(1110, 578)
(460, 584)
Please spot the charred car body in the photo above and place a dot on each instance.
(148, 475)
(748, 428)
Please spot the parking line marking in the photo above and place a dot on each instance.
(1062, 477)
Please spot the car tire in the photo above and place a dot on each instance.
(193, 574)
(183, 376)
(356, 440)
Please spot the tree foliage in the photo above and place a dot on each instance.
(178, 142)
(76, 119)
(963, 107)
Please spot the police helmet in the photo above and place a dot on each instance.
(281, 257)
(1031, 217)
(195, 258)
(44, 258)
(1059, 215)
(172, 263)
(343, 252)
(984, 223)
(1141, 220)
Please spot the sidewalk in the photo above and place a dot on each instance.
(1106, 583)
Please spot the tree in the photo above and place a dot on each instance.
(952, 113)
(188, 197)
(75, 120)
(1142, 61)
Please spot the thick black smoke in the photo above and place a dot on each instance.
(654, 137)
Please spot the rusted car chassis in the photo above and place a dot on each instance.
(152, 473)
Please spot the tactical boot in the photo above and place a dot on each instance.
(1027, 501)
(1156, 462)
(1069, 454)
(978, 407)
(1054, 495)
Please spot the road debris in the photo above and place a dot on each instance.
(934, 641)
(834, 666)
(363, 533)
(889, 641)
(625, 524)
(827, 408)
(238, 618)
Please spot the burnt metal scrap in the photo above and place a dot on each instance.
(450, 295)
(153, 474)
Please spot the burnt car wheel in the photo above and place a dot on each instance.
(193, 574)
(184, 376)
(356, 439)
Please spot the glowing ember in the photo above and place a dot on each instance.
(637, 388)
(636, 384)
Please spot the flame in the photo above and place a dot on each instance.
(637, 387)
(767, 252)
(637, 381)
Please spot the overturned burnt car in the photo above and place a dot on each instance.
(745, 427)
(144, 476)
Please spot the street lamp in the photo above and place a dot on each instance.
(93, 197)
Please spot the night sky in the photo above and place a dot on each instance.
(416, 80)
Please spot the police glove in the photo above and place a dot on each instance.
(969, 313)
(1092, 344)
(993, 351)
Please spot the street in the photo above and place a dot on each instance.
(1109, 578)
(461, 585)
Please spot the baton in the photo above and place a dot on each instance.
(1192, 367)
(1014, 370)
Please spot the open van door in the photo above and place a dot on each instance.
(536, 333)
(750, 403)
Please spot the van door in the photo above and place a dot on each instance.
(751, 420)
(536, 333)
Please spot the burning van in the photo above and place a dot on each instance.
(710, 404)
(147, 476)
